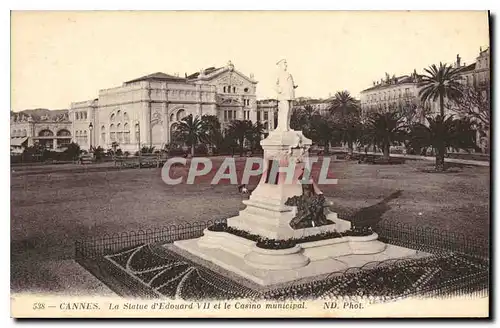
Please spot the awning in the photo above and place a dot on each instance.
(18, 141)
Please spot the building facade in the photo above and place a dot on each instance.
(142, 111)
(51, 129)
(402, 92)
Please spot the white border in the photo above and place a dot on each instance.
(191, 5)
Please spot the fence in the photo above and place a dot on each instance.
(430, 239)
(89, 253)
(107, 244)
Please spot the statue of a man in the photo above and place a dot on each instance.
(285, 88)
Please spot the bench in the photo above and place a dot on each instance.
(86, 159)
(144, 160)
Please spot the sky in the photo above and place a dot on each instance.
(61, 57)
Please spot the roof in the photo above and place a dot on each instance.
(158, 76)
(16, 141)
(399, 80)
(43, 114)
(468, 68)
(206, 71)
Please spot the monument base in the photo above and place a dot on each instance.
(305, 260)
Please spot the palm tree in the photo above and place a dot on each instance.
(346, 112)
(322, 130)
(213, 133)
(441, 133)
(239, 130)
(440, 82)
(190, 130)
(384, 130)
(255, 135)
(301, 118)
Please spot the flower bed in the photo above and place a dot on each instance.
(266, 243)
(178, 277)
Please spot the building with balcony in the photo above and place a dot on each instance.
(402, 92)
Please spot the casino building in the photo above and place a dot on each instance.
(143, 110)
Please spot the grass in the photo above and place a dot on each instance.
(52, 209)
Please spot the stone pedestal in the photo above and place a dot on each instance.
(267, 215)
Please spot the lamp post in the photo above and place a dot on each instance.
(138, 135)
(91, 127)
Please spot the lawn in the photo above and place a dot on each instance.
(52, 209)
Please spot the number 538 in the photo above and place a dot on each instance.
(38, 306)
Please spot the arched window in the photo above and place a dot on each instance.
(126, 133)
(234, 89)
(119, 133)
(85, 136)
(112, 118)
(46, 133)
(229, 89)
(118, 115)
(25, 133)
(224, 89)
(137, 132)
(172, 117)
(181, 114)
(125, 116)
(103, 134)
(85, 115)
(112, 133)
(63, 133)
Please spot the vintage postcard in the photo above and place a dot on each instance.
(183, 164)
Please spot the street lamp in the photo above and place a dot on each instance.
(91, 127)
(138, 136)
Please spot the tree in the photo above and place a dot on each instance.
(440, 83)
(213, 133)
(384, 130)
(73, 151)
(472, 103)
(114, 145)
(255, 135)
(98, 152)
(442, 133)
(322, 130)
(239, 131)
(147, 149)
(346, 114)
(301, 117)
(190, 130)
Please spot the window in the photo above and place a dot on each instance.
(126, 133)
(246, 89)
(266, 116)
(234, 89)
(103, 134)
(85, 115)
(138, 133)
(85, 136)
(46, 133)
(230, 115)
(125, 116)
(225, 116)
(112, 133)
(224, 89)
(258, 115)
(63, 133)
